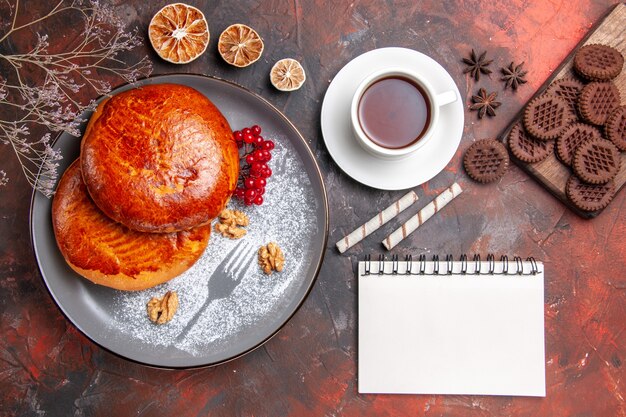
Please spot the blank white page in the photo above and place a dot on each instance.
(451, 334)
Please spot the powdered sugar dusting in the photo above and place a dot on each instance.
(287, 217)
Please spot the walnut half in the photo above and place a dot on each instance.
(271, 258)
(161, 310)
(236, 216)
(229, 222)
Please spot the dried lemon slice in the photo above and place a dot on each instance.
(287, 75)
(240, 45)
(179, 33)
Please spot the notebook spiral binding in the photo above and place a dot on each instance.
(449, 261)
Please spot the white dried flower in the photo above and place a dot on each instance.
(54, 104)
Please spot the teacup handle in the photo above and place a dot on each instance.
(446, 98)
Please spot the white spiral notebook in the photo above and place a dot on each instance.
(451, 326)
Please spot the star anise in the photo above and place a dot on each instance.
(513, 76)
(476, 65)
(485, 103)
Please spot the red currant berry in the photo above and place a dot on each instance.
(258, 155)
(258, 141)
(239, 192)
(259, 183)
(266, 155)
(267, 173)
(247, 202)
(258, 200)
(246, 131)
(250, 194)
(256, 168)
(248, 138)
(238, 135)
(249, 182)
(250, 159)
(260, 191)
(256, 129)
(239, 145)
(269, 145)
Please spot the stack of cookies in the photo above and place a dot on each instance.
(582, 121)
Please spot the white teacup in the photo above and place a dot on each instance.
(434, 99)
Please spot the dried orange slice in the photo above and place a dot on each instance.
(287, 75)
(179, 33)
(240, 45)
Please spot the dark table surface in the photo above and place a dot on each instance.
(48, 368)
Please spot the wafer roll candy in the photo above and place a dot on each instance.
(424, 214)
(376, 222)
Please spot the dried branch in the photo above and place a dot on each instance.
(43, 88)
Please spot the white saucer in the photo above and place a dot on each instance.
(376, 172)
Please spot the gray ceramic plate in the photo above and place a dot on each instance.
(246, 307)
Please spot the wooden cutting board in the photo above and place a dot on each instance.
(551, 173)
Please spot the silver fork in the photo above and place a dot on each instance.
(224, 280)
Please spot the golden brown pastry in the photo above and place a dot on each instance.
(110, 254)
(159, 158)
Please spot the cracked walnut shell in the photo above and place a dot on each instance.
(161, 310)
(271, 258)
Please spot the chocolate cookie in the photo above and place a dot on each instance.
(526, 148)
(486, 160)
(615, 127)
(597, 101)
(598, 62)
(589, 197)
(547, 116)
(596, 161)
(568, 89)
(572, 137)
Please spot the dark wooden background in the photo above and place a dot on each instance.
(48, 368)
